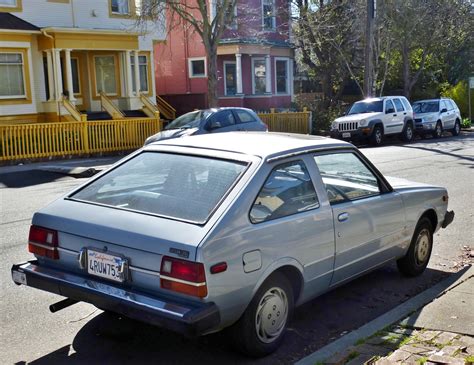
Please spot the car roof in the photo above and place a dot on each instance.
(268, 145)
(435, 99)
(368, 100)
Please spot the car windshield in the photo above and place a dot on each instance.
(426, 107)
(366, 107)
(182, 187)
(188, 120)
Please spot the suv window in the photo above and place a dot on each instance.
(406, 104)
(449, 103)
(398, 105)
(346, 177)
(288, 190)
(223, 119)
(244, 116)
(442, 105)
(389, 105)
(366, 107)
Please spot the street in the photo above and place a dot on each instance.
(84, 334)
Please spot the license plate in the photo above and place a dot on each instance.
(105, 265)
(346, 135)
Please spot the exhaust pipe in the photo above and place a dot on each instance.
(62, 304)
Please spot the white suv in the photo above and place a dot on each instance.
(374, 118)
(434, 116)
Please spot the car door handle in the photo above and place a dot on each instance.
(405, 113)
(394, 115)
(343, 217)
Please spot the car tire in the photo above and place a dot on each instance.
(376, 139)
(408, 133)
(262, 327)
(438, 132)
(457, 128)
(419, 252)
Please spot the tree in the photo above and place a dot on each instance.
(207, 18)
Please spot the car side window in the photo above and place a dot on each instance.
(346, 177)
(443, 105)
(244, 116)
(288, 190)
(388, 106)
(450, 105)
(406, 104)
(398, 105)
(222, 119)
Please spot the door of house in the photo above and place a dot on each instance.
(230, 80)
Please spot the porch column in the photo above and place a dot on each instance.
(238, 72)
(268, 75)
(128, 73)
(137, 73)
(49, 64)
(57, 74)
(70, 88)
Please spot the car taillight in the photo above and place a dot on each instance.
(43, 242)
(183, 276)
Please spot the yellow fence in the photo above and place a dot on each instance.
(73, 138)
(291, 122)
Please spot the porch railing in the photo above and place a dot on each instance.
(110, 107)
(72, 109)
(74, 138)
(290, 122)
(149, 108)
(165, 109)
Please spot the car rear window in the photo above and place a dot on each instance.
(182, 187)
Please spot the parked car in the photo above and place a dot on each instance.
(201, 233)
(211, 121)
(434, 116)
(372, 119)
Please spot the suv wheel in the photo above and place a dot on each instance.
(408, 133)
(457, 128)
(376, 138)
(438, 132)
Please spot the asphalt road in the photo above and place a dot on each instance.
(83, 334)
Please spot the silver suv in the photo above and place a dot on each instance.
(434, 116)
(372, 119)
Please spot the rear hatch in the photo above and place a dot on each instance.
(118, 226)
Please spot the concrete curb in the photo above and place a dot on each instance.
(387, 319)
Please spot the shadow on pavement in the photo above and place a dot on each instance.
(110, 339)
(23, 179)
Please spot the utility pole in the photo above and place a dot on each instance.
(369, 30)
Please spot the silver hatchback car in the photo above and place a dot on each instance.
(434, 116)
(231, 230)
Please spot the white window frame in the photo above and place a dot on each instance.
(4, 5)
(225, 77)
(132, 66)
(253, 73)
(288, 76)
(6, 97)
(273, 17)
(190, 67)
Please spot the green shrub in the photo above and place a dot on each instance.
(460, 94)
(465, 123)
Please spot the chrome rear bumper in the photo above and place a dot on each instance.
(184, 317)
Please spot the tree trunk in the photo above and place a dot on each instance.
(212, 98)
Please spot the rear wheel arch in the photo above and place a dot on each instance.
(295, 278)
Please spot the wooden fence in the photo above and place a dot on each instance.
(73, 138)
(291, 122)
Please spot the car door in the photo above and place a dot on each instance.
(394, 123)
(369, 218)
(445, 115)
(401, 111)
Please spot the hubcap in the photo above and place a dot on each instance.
(423, 244)
(457, 128)
(271, 315)
(409, 133)
(378, 136)
(438, 130)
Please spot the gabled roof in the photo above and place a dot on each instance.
(12, 22)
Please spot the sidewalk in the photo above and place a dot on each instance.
(441, 332)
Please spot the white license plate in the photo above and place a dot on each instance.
(104, 265)
(346, 135)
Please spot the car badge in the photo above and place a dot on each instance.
(180, 253)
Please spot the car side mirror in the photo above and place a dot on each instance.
(444, 110)
(389, 111)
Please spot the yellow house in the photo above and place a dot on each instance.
(75, 59)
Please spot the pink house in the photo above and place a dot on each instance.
(255, 61)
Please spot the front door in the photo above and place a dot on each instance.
(368, 218)
(230, 81)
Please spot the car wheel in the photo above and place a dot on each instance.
(438, 132)
(408, 133)
(457, 128)
(261, 328)
(419, 252)
(376, 138)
